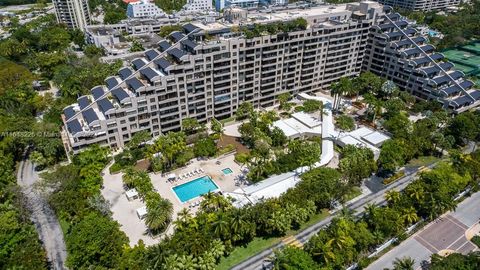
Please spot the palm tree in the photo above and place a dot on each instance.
(183, 219)
(392, 197)
(237, 224)
(405, 263)
(158, 214)
(409, 215)
(326, 253)
(342, 87)
(129, 176)
(220, 226)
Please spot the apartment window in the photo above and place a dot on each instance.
(124, 129)
(122, 121)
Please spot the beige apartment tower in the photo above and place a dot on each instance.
(73, 13)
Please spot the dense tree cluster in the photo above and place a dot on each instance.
(274, 28)
(218, 227)
(348, 240)
(470, 261)
(19, 243)
(459, 28)
(169, 6)
(272, 153)
(74, 193)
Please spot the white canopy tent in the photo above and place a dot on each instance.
(131, 194)
(142, 212)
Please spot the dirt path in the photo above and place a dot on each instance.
(42, 216)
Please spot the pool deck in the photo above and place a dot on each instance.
(124, 211)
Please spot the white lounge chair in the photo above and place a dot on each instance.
(201, 170)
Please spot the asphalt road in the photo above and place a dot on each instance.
(445, 233)
(42, 216)
(261, 260)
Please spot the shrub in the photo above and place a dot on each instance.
(476, 240)
(393, 178)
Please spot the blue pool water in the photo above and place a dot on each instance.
(195, 188)
(227, 171)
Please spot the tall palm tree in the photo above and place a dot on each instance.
(409, 215)
(183, 219)
(405, 263)
(158, 215)
(220, 226)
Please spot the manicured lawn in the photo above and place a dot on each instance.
(241, 253)
(422, 161)
(258, 244)
(352, 193)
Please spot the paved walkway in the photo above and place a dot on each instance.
(42, 216)
(445, 235)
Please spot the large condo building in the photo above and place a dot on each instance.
(421, 5)
(73, 13)
(208, 69)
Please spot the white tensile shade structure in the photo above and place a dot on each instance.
(142, 212)
(131, 194)
(171, 177)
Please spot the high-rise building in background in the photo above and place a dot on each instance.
(421, 5)
(73, 13)
(143, 9)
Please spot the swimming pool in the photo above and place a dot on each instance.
(227, 171)
(195, 188)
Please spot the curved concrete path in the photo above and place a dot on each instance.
(328, 132)
(42, 216)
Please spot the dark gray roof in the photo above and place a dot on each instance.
(393, 16)
(134, 83)
(125, 72)
(449, 91)
(120, 94)
(433, 69)
(177, 36)
(162, 63)
(104, 105)
(97, 92)
(406, 41)
(443, 79)
(74, 126)
(177, 53)
(475, 94)
(446, 65)
(189, 27)
(391, 25)
(190, 44)
(412, 51)
(453, 90)
(149, 73)
(151, 54)
(394, 34)
(427, 48)
(415, 50)
(138, 63)
(89, 115)
(69, 112)
(164, 45)
(111, 82)
(461, 101)
(467, 84)
(425, 59)
(83, 102)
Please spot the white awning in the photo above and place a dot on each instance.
(142, 212)
(132, 193)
